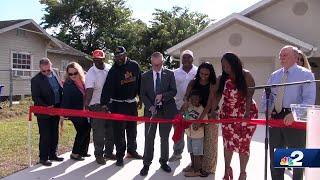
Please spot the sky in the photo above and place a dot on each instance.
(142, 9)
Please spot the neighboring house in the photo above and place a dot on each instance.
(22, 44)
(257, 34)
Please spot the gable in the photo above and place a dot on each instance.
(239, 38)
(293, 17)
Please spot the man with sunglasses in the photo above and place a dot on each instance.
(46, 90)
(102, 129)
(119, 95)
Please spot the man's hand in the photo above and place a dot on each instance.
(50, 106)
(152, 109)
(288, 119)
(158, 98)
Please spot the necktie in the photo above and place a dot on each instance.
(279, 98)
(158, 84)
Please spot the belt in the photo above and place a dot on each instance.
(283, 110)
(123, 100)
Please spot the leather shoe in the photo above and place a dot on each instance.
(56, 159)
(144, 171)
(119, 162)
(166, 168)
(100, 160)
(134, 155)
(77, 158)
(45, 162)
(110, 156)
(85, 155)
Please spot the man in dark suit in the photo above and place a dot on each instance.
(158, 89)
(46, 90)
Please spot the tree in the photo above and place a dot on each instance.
(87, 24)
(168, 28)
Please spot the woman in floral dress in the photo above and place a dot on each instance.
(238, 104)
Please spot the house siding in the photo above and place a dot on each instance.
(28, 42)
(280, 16)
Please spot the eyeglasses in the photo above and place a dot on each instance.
(73, 74)
(46, 71)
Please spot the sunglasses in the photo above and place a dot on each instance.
(73, 74)
(45, 71)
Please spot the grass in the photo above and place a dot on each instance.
(14, 138)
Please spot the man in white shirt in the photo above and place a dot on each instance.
(183, 76)
(102, 129)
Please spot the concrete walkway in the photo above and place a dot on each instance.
(89, 169)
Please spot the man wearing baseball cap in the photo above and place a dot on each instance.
(102, 129)
(119, 94)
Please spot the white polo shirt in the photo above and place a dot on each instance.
(95, 79)
(182, 80)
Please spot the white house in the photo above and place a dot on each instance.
(22, 44)
(257, 34)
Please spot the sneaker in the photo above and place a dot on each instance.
(134, 155)
(175, 157)
(100, 160)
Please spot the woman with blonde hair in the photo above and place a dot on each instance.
(73, 98)
(303, 60)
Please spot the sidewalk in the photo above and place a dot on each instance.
(89, 169)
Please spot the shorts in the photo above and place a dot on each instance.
(195, 146)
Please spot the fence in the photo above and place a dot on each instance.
(16, 82)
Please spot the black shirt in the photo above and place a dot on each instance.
(122, 82)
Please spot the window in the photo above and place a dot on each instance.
(21, 64)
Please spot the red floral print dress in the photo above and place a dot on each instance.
(236, 136)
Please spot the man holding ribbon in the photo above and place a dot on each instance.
(119, 93)
(283, 96)
(157, 92)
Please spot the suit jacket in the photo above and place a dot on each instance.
(42, 93)
(168, 91)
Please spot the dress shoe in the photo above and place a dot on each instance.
(134, 155)
(100, 160)
(76, 157)
(144, 171)
(85, 155)
(110, 156)
(119, 162)
(166, 168)
(56, 159)
(45, 162)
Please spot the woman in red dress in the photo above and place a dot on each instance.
(237, 103)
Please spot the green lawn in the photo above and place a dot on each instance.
(14, 139)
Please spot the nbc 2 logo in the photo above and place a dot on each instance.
(294, 159)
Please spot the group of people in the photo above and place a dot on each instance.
(195, 92)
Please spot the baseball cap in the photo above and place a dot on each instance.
(120, 50)
(98, 54)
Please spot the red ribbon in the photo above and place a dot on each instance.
(179, 123)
